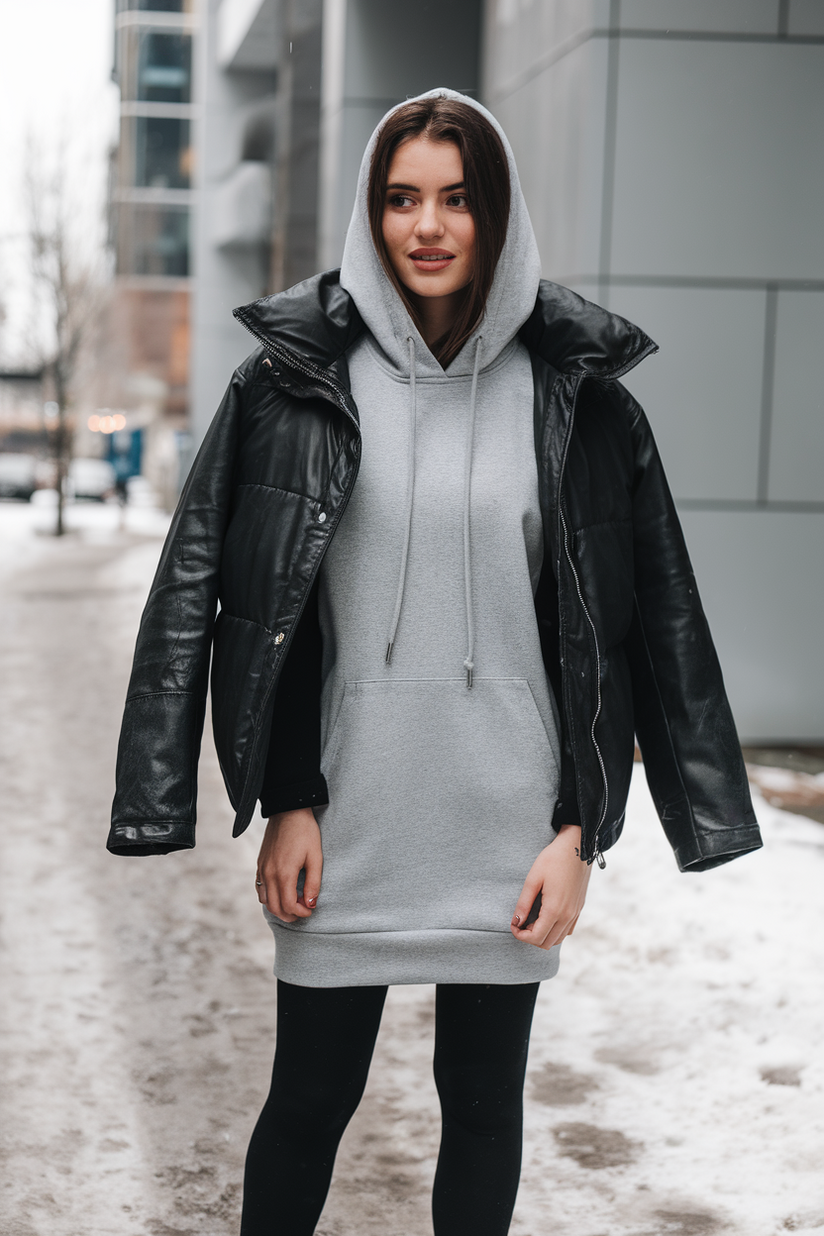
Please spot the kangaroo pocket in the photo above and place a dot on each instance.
(440, 800)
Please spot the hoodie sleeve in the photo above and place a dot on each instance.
(293, 778)
(154, 808)
(683, 721)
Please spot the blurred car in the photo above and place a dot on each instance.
(90, 478)
(18, 476)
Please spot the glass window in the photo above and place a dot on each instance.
(164, 68)
(152, 240)
(155, 67)
(162, 152)
(155, 6)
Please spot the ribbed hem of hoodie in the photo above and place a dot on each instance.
(385, 958)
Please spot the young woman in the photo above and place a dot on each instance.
(452, 588)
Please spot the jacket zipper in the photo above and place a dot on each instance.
(293, 361)
(596, 851)
(596, 854)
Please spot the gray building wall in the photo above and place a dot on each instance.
(258, 89)
(230, 268)
(672, 156)
(375, 54)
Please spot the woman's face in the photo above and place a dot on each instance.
(427, 226)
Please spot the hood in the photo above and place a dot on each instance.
(511, 298)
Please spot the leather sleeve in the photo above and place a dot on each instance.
(154, 809)
(683, 721)
(546, 607)
(293, 777)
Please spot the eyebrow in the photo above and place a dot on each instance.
(416, 188)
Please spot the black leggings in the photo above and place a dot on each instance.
(325, 1039)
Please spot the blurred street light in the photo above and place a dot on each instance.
(106, 422)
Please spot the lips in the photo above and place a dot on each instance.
(431, 259)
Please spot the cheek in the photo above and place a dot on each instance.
(393, 235)
(468, 239)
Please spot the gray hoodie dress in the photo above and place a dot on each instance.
(441, 793)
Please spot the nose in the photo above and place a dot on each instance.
(429, 221)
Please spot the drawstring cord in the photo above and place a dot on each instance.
(410, 487)
(469, 664)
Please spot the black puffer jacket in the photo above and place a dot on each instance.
(624, 637)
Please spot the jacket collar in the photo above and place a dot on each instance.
(318, 321)
(577, 337)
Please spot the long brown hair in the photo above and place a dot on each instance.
(486, 177)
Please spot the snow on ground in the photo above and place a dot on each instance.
(683, 1040)
(26, 527)
(676, 1077)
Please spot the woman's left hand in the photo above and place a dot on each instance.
(561, 878)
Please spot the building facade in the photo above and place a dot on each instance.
(152, 198)
(671, 156)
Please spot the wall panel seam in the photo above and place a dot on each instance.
(507, 89)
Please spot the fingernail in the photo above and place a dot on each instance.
(310, 901)
(516, 920)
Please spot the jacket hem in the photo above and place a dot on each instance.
(707, 850)
(387, 958)
(151, 837)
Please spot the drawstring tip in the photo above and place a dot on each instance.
(469, 667)
(389, 647)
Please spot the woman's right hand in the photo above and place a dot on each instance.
(291, 843)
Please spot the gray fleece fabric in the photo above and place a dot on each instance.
(441, 794)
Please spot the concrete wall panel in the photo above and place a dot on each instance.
(223, 279)
(797, 436)
(523, 36)
(719, 165)
(555, 123)
(386, 59)
(761, 577)
(806, 17)
(702, 391)
(740, 16)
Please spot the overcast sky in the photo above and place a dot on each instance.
(55, 83)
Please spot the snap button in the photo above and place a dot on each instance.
(280, 637)
(322, 517)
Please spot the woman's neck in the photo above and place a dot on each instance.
(436, 314)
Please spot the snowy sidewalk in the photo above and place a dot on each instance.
(676, 1080)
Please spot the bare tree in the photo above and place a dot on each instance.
(66, 268)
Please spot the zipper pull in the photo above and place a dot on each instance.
(597, 856)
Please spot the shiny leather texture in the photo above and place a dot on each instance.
(625, 639)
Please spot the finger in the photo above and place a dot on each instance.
(313, 869)
(549, 928)
(531, 889)
(275, 907)
(556, 934)
(543, 933)
(271, 899)
(288, 893)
